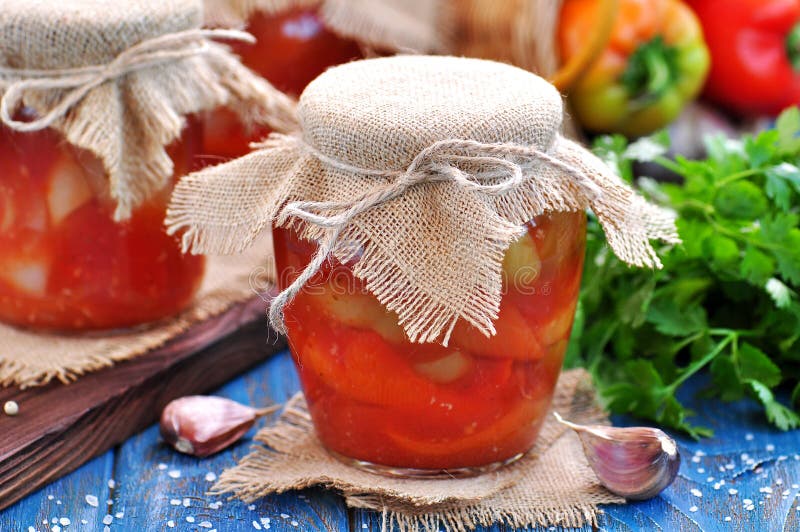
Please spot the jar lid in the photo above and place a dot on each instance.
(398, 106)
(118, 79)
(43, 34)
(428, 168)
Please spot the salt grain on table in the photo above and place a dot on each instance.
(770, 447)
(251, 507)
(108, 519)
(171, 523)
(295, 523)
(119, 515)
(284, 516)
(701, 470)
(696, 492)
(111, 484)
(210, 477)
(748, 437)
(727, 518)
(186, 502)
(55, 528)
(92, 501)
(693, 509)
(733, 491)
(106, 528)
(190, 519)
(256, 525)
(175, 502)
(174, 473)
(50, 497)
(84, 522)
(162, 467)
(205, 524)
(765, 490)
(64, 521)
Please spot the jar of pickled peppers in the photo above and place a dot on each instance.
(383, 401)
(428, 227)
(96, 128)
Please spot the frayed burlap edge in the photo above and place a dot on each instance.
(552, 485)
(410, 26)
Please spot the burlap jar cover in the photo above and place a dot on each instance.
(431, 166)
(551, 485)
(118, 79)
(391, 25)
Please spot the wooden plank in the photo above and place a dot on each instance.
(60, 427)
(65, 498)
(147, 494)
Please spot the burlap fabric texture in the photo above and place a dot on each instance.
(428, 168)
(119, 78)
(392, 25)
(552, 485)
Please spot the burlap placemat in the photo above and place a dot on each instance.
(552, 485)
(29, 359)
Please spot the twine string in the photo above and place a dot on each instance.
(79, 82)
(442, 161)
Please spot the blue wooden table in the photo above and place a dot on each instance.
(745, 478)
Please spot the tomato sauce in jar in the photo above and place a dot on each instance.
(65, 264)
(291, 49)
(384, 402)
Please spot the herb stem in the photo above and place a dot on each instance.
(700, 364)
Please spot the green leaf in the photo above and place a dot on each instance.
(672, 320)
(727, 381)
(780, 181)
(722, 250)
(788, 127)
(740, 200)
(754, 364)
(782, 417)
(757, 267)
(780, 293)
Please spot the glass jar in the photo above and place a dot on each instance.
(382, 402)
(65, 264)
(291, 49)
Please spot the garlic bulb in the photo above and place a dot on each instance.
(203, 425)
(635, 462)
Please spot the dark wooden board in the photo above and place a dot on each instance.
(62, 426)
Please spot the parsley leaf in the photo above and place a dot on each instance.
(726, 301)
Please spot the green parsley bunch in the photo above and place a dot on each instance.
(726, 300)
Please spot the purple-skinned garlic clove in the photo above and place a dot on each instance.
(201, 425)
(637, 463)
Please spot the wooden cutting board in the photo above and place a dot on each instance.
(59, 427)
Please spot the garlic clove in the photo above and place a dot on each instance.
(203, 425)
(634, 462)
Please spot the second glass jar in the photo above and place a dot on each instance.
(385, 403)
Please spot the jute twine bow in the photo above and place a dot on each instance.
(436, 163)
(146, 54)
